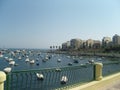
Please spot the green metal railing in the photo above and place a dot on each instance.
(111, 68)
(27, 80)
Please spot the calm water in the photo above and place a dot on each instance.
(50, 60)
(54, 60)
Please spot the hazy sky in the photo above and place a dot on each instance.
(41, 23)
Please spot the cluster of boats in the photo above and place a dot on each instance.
(27, 56)
(12, 55)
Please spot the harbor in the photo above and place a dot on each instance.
(49, 71)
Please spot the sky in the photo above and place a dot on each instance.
(44, 23)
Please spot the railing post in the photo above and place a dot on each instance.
(98, 71)
(2, 79)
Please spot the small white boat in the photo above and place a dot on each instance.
(7, 69)
(12, 62)
(16, 65)
(81, 64)
(6, 58)
(91, 61)
(32, 61)
(1, 55)
(68, 56)
(19, 58)
(26, 56)
(64, 80)
(40, 76)
(46, 58)
(59, 60)
(10, 59)
(58, 69)
(27, 60)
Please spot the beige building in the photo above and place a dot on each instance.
(89, 43)
(97, 44)
(75, 43)
(106, 41)
(83, 44)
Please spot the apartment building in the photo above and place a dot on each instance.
(106, 41)
(116, 39)
(75, 43)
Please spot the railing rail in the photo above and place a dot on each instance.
(27, 80)
(111, 68)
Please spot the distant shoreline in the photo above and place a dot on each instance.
(78, 53)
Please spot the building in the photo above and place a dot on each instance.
(89, 43)
(116, 40)
(83, 44)
(75, 43)
(106, 41)
(66, 45)
(97, 44)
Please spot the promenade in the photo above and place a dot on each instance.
(115, 85)
(111, 82)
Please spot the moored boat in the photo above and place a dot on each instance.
(7, 69)
(64, 80)
(40, 76)
(32, 61)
